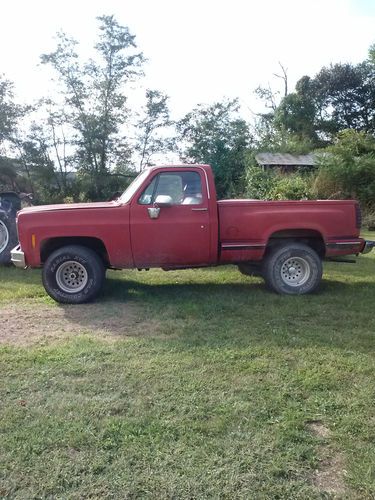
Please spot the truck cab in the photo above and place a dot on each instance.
(174, 218)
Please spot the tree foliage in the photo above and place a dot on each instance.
(85, 143)
(347, 168)
(296, 115)
(154, 118)
(259, 182)
(10, 112)
(216, 135)
(270, 184)
(296, 186)
(37, 166)
(339, 97)
(95, 100)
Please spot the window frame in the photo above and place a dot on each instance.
(154, 191)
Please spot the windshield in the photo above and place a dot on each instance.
(130, 190)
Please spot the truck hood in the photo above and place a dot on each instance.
(69, 206)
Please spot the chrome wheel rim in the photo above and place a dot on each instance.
(4, 236)
(295, 271)
(71, 277)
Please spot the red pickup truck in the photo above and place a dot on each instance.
(169, 217)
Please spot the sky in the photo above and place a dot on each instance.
(198, 51)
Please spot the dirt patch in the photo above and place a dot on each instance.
(318, 429)
(329, 477)
(30, 323)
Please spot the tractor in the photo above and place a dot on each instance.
(10, 203)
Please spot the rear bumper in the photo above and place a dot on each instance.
(368, 246)
(349, 247)
(18, 257)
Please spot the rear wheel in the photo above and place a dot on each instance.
(293, 269)
(73, 275)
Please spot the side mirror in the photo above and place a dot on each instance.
(163, 200)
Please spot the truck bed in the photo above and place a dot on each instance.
(245, 226)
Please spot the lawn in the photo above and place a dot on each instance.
(190, 384)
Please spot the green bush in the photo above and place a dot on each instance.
(259, 183)
(347, 169)
(292, 186)
(325, 187)
(368, 219)
(273, 185)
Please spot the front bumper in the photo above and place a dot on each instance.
(369, 245)
(18, 257)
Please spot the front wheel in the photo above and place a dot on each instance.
(293, 269)
(73, 275)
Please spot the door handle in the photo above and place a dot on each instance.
(199, 209)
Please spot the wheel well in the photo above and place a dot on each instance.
(49, 246)
(309, 237)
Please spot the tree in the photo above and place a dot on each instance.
(10, 112)
(95, 105)
(154, 118)
(287, 124)
(270, 97)
(10, 115)
(339, 97)
(347, 168)
(346, 94)
(297, 112)
(216, 135)
(38, 167)
(8, 174)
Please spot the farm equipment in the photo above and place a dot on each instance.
(10, 203)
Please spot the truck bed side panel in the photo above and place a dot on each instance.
(245, 226)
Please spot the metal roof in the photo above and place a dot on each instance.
(285, 159)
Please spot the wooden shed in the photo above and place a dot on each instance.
(286, 162)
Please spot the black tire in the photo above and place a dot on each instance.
(250, 269)
(8, 237)
(292, 269)
(73, 275)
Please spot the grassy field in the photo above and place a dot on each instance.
(191, 384)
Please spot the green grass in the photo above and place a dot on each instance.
(210, 400)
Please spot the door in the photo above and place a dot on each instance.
(175, 231)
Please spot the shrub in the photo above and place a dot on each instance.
(259, 183)
(368, 219)
(325, 187)
(270, 185)
(292, 187)
(347, 170)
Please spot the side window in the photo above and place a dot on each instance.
(192, 188)
(146, 196)
(184, 188)
(170, 185)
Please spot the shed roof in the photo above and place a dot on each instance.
(285, 159)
